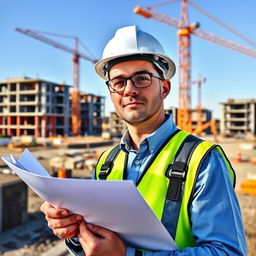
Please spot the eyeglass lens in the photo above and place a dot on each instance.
(138, 80)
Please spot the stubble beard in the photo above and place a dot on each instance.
(136, 117)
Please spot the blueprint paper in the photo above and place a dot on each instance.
(115, 205)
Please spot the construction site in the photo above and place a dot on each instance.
(67, 130)
(43, 109)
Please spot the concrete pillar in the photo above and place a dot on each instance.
(43, 127)
(1, 122)
(25, 123)
(223, 119)
(252, 118)
(9, 125)
(36, 127)
(18, 126)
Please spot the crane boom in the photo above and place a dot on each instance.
(172, 21)
(54, 43)
(221, 23)
(147, 12)
(224, 42)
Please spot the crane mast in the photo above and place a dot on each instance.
(199, 83)
(75, 94)
(184, 60)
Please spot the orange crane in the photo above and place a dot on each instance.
(185, 30)
(75, 94)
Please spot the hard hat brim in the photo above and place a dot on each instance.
(101, 64)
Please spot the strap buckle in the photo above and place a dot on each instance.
(177, 173)
(105, 169)
(177, 170)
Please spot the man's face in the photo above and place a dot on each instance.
(138, 105)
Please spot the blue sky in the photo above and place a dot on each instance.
(229, 74)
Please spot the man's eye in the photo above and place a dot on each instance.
(118, 82)
(142, 78)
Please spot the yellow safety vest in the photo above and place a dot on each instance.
(154, 177)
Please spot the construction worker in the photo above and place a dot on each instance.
(187, 182)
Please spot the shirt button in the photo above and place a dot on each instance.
(137, 162)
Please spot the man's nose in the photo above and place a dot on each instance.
(130, 89)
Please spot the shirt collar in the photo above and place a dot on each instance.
(125, 142)
(155, 139)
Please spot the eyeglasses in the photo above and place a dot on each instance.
(139, 80)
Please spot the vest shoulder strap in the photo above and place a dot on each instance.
(177, 171)
(106, 168)
(177, 174)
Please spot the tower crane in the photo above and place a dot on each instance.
(200, 125)
(75, 94)
(199, 83)
(185, 30)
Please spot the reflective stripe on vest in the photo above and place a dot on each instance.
(154, 177)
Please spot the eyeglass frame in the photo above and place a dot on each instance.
(130, 78)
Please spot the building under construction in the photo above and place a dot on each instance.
(238, 117)
(42, 109)
(92, 113)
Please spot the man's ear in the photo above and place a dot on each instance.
(166, 88)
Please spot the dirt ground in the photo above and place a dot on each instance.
(244, 170)
(37, 237)
(248, 208)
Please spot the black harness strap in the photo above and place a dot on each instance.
(106, 168)
(177, 173)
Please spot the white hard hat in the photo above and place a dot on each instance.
(131, 43)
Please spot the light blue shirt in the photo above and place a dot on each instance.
(215, 213)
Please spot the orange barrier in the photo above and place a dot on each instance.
(249, 187)
(62, 173)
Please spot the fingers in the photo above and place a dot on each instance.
(99, 231)
(93, 231)
(63, 224)
(87, 238)
(65, 227)
(98, 241)
(66, 232)
(84, 232)
(51, 212)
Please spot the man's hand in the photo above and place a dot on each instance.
(63, 224)
(98, 241)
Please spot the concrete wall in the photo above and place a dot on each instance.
(13, 203)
